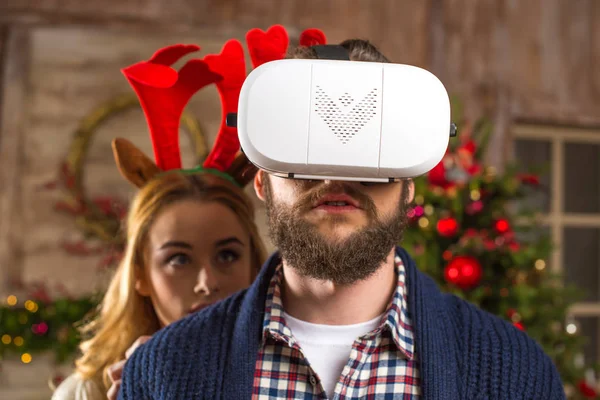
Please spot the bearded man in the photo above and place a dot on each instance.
(340, 312)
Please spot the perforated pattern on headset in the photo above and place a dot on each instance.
(345, 124)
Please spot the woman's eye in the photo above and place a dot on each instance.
(178, 260)
(227, 256)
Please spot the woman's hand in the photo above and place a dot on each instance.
(115, 370)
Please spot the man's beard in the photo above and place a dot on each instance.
(344, 262)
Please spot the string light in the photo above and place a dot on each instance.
(31, 306)
(26, 358)
(423, 222)
(419, 199)
(428, 209)
(438, 191)
(571, 328)
(6, 339)
(11, 300)
(521, 277)
(540, 265)
(475, 195)
(18, 341)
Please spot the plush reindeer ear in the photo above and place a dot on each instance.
(312, 37)
(134, 165)
(242, 170)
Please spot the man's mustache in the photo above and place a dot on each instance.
(307, 201)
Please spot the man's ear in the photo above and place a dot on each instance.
(242, 170)
(411, 190)
(142, 286)
(259, 184)
(134, 165)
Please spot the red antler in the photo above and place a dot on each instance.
(231, 65)
(163, 94)
(312, 37)
(267, 46)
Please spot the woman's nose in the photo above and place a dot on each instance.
(206, 283)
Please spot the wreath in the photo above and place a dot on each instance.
(100, 217)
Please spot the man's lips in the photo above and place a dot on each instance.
(337, 202)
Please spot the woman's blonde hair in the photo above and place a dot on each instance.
(124, 315)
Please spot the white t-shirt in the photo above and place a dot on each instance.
(327, 347)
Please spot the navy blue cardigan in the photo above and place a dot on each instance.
(463, 352)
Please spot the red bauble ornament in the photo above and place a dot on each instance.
(40, 329)
(529, 179)
(586, 390)
(437, 176)
(447, 255)
(470, 233)
(514, 246)
(447, 227)
(415, 213)
(489, 245)
(474, 207)
(519, 325)
(463, 271)
(502, 226)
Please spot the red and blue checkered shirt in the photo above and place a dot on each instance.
(382, 363)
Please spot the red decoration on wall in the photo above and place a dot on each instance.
(519, 325)
(502, 226)
(586, 390)
(464, 272)
(447, 227)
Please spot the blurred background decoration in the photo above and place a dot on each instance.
(476, 232)
(509, 220)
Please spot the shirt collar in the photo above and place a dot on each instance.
(395, 320)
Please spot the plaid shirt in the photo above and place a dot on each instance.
(382, 364)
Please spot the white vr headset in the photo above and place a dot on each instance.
(343, 120)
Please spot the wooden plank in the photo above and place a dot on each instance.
(555, 50)
(595, 48)
(468, 45)
(175, 12)
(398, 27)
(585, 310)
(15, 76)
(3, 42)
(436, 39)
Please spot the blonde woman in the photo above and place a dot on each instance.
(191, 236)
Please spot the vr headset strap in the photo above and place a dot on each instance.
(331, 52)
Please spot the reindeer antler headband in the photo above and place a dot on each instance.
(164, 93)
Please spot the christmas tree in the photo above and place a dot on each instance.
(471, 230)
